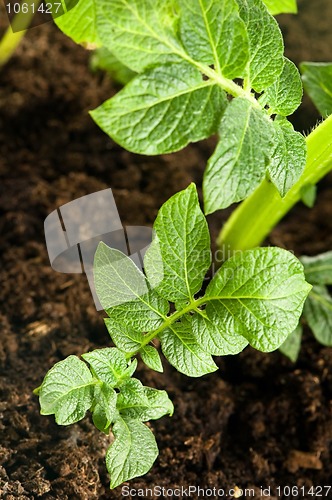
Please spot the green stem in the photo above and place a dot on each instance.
(12, 37)
(255, 217)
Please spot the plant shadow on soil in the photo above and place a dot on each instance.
(260, 420)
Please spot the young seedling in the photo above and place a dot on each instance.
(197, 68)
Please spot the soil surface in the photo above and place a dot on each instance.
(260, 420)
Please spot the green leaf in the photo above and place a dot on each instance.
(103, 59)
(124, 338)
(292, 345)
(143, 403)
(281, 6)
(79, 23)
(239, 162)
(123, 291)
(318, 269)
(110, 365)
(317, 81)
(212, 336)
(105, 411)
(212, 32)
(179, 255)
(133, 452)
(140, 33)
(181, 349)
(284, 96)
(162, 110)
(259, 294)
(266, 47)
(289, 158)
(67, 391)
(318, 313)
(308, 195)
(151, 358)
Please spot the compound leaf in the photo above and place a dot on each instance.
(123, 291)
(239, 162)
(259, 294)
(317, 81)
(179, 255)
(318, 269)
(162, 110)
(265, 44)
(213, 33)
(285, 94)
(289, 158)
(133, 452)
(67, 391)
(182, 350)
(318, 313)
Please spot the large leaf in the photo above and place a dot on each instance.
(162, 110)
(133, 452)
(123, 291)
(318, 269)
(317, 81)
(281, 6)
(289, 158)
(213, 33)
(67, 391)
(182, 350)
(285, 95)
(179, 255)
(318, 313)
(265, 44)
(140, 33)
(259, 294)
(239, 162)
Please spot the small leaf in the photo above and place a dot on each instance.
(239, 162)
(104, 60)
(140, 33)
(318, 269)
(67, 391)
(151, 358)
(318, 313)
(213, 33)
(125, 338)
(180, 254)
(259, 294)
(143, 403)
(285, 94)
(266, 46)
(123, 291)
(184, 353)
(133, 452)
(292, 345)
(317, 81)
(79, 23)
(289, 158)
(104, 412)
(162, 110)
(212, 336)
(309, 195)
(109, 364)
(281, 6)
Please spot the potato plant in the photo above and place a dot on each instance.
(193, 69)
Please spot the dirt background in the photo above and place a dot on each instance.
(260, 420)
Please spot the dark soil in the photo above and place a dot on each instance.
(260, 420)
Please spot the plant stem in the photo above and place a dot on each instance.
(12, 37)
(255, 217)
